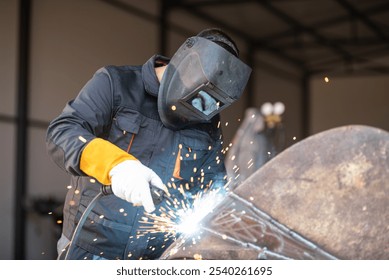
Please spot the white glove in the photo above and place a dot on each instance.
(131, 181)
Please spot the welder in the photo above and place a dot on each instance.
(133, 127)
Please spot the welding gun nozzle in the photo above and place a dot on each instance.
(106, 189)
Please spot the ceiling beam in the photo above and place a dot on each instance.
(207, 3)
(364, 18)
(322, 40)
(258, 43)
(380, 8)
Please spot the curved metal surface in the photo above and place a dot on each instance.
(325, 197)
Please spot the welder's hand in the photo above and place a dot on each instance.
(131, 181)
(205, 103)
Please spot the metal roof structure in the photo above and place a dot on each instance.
(316, 36)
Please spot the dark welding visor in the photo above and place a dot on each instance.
(201, 80)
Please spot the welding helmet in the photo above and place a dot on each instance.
(202, 79)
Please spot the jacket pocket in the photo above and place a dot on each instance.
(125, 126)
(103, 237)
(193, 150)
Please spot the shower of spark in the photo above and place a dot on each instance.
(190, 220)
(183, 217)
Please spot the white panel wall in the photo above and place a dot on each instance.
(349, 100)
(7, 162)
(72, 39)
(44, 181)
(8, 47)
(8, 53)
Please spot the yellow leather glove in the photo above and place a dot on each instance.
(99, 157)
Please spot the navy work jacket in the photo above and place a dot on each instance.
(119, 104)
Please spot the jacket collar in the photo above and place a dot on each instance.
(149, 76)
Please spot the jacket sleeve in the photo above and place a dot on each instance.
(84, 122)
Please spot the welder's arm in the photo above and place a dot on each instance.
(82, 120)
(75, 143)
(129, 178)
